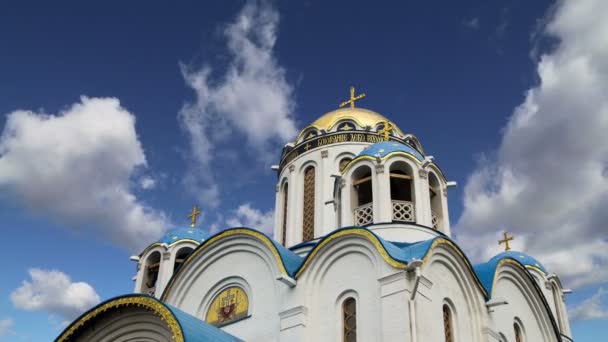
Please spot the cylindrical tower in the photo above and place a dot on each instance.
(355, 167)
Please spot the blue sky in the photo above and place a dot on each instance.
(499, 92)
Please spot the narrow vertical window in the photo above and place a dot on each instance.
(284, 223)
(435, 197)
(308, 224)
(518, 334)
(447, 324)
(362, 198)
(349, 318)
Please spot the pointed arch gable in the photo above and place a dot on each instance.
(392, 254)
(286, 261)
(530, 287)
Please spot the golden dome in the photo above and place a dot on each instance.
(361, 116)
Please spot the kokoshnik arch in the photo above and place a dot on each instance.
(361, 252)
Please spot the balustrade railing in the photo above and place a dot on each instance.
(435, 220)
(364, 214)
(403, 211)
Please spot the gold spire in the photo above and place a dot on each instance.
(386, 130)
(506, 241)
(193, 215)
(353, 98)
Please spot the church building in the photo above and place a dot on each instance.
(361, 251)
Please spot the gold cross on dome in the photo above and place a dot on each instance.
(193, 215)
(386, 130)
(353, 98)
(506, 241)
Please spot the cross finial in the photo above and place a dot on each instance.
(353, 98)
(506, 241)
(193, 215)
(386, 130)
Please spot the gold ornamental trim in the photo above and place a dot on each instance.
(227, 233)
(354, 231)
(148, 303)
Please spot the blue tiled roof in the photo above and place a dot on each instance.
(486, 271)
(192, 328)
(195, 330)
(188, 233)
(385, 148)
(291, 260)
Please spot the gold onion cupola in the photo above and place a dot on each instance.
(347, 124)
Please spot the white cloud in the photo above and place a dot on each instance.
(472, 23)
(246, 216)
(54, 292)
(591, 308)
(549, 180)
(252, 96)
(5, 326)
(75, 167)
(147, 183)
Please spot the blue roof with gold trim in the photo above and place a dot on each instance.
(188, 233)
(384, 148)
(191, 328)
(486, 271)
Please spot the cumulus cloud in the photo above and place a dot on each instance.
(75, 167)
(246, 216)
(251, 97)
(5, 326)
(590, 308)
(54, 292)
(147, 183)
(548, 182)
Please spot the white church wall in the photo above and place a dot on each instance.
(403, 232)
(349, 267)
(243, 261)
(452, 283)
(524, 304)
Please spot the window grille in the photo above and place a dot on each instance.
(349, 317)
(308, 224)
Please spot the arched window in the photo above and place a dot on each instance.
(363, 196)
(448, 322)
(151, 269)
(308, 221)
(435, 195)
(230, 305)
(402, 192)
(180, 256)
(343, 163)
(519, 336)
(349, 320)
(284, 218)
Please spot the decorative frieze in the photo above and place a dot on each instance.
(423, 173)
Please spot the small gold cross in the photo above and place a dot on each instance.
(386, 130)
(506, 241)
(307, 146)
(193, 215)
(353, 98)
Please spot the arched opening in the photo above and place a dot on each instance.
(436, 205)
(362, 199)
(180, 256)
(519, 334)
(448, 323)
(284, 213)
(402, 192)
(349, 320)
(308, 217)
(151, 269)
